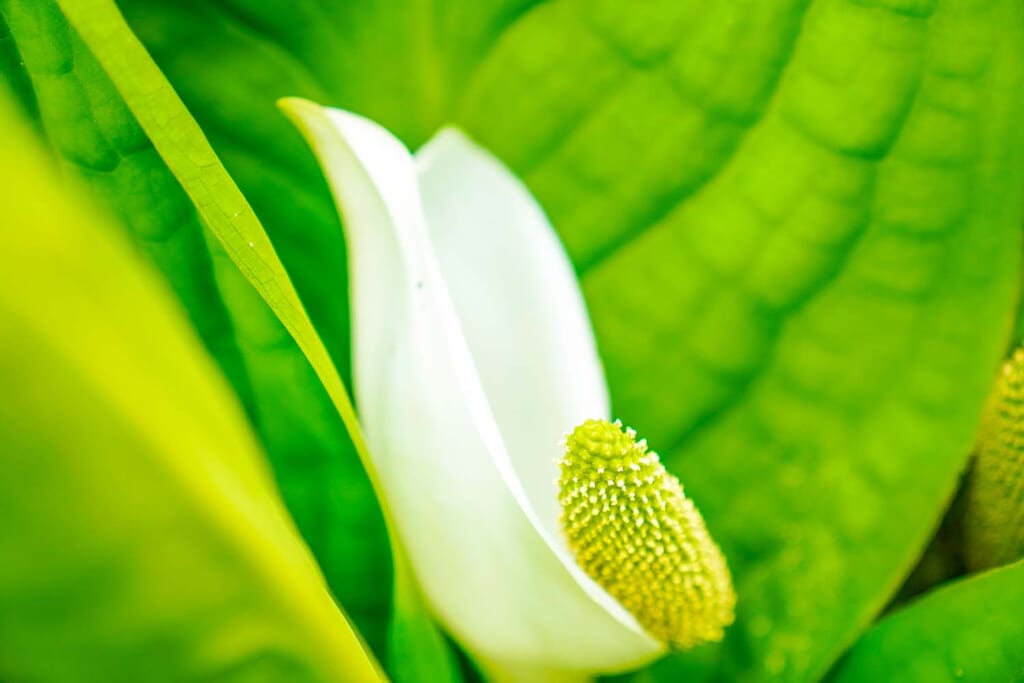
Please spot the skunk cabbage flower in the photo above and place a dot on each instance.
(473, 359)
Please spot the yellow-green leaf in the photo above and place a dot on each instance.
(95, 136)
(141, 535)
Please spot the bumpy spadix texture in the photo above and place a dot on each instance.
(634, 532)
(994, 527)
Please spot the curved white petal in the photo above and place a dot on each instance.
(519, 307)
(493, 571)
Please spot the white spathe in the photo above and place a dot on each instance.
(473, 357)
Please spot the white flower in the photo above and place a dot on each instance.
(473, 357)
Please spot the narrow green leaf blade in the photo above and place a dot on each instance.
(401, 62)
(184, 149)
(226, 213)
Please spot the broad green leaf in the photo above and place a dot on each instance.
(797, 224)
(98, 139)
(824, 229)
(142, 535)
(826, 233)
(970, 630)
(226, 213)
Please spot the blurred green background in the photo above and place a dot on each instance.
(797, 224)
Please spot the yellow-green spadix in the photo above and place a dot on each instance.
(473, 358)
(994, 501)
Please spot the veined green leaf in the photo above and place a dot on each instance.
(142, 536)
(181, 144)
(799, 230)
(99, 140)
(970, 630)
(225, 212)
